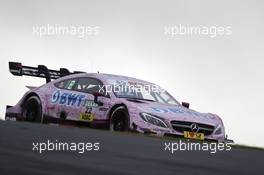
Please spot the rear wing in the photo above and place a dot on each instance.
(41, 71)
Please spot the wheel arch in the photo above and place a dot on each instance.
(112, 116)
(28, 96)
(113, 108)
(31, 94)
(36, 97)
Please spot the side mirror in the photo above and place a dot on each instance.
(96, 95)
(185, 104)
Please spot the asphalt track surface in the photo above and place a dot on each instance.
(119, 153)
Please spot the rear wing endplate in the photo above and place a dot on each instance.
(41, 71)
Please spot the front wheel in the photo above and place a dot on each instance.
(119, 120)
(32, 110)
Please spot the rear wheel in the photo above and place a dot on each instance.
(119, 120)
(32, 110)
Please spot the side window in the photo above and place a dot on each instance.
(71, 84)
(67, 84)
(89, 85)
(60, 84)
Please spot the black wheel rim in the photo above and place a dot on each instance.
(31, 112)
(119, 125)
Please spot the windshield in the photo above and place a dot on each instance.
(142, 91)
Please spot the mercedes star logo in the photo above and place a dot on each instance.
(194, 127)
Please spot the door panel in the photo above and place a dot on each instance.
(72, 99)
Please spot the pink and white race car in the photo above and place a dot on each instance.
(116, 102)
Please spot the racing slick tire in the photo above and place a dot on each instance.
(32, 110)
(119, 119)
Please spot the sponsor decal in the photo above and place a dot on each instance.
(71, 99)
(193, 135)
(76, 100)
(90, 103)
(87, 117)
(176, 111)
(103, 109)
(159, 130)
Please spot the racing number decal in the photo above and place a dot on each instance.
(87, 116)
(88, 110)
(193, 135)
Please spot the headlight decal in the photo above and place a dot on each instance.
(153, 120)
(218, 130)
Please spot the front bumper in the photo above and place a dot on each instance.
(147, 128)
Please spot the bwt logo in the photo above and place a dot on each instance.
(176, 110)
(69, 99)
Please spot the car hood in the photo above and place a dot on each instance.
(177, 112)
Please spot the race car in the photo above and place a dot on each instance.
(118, 103)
